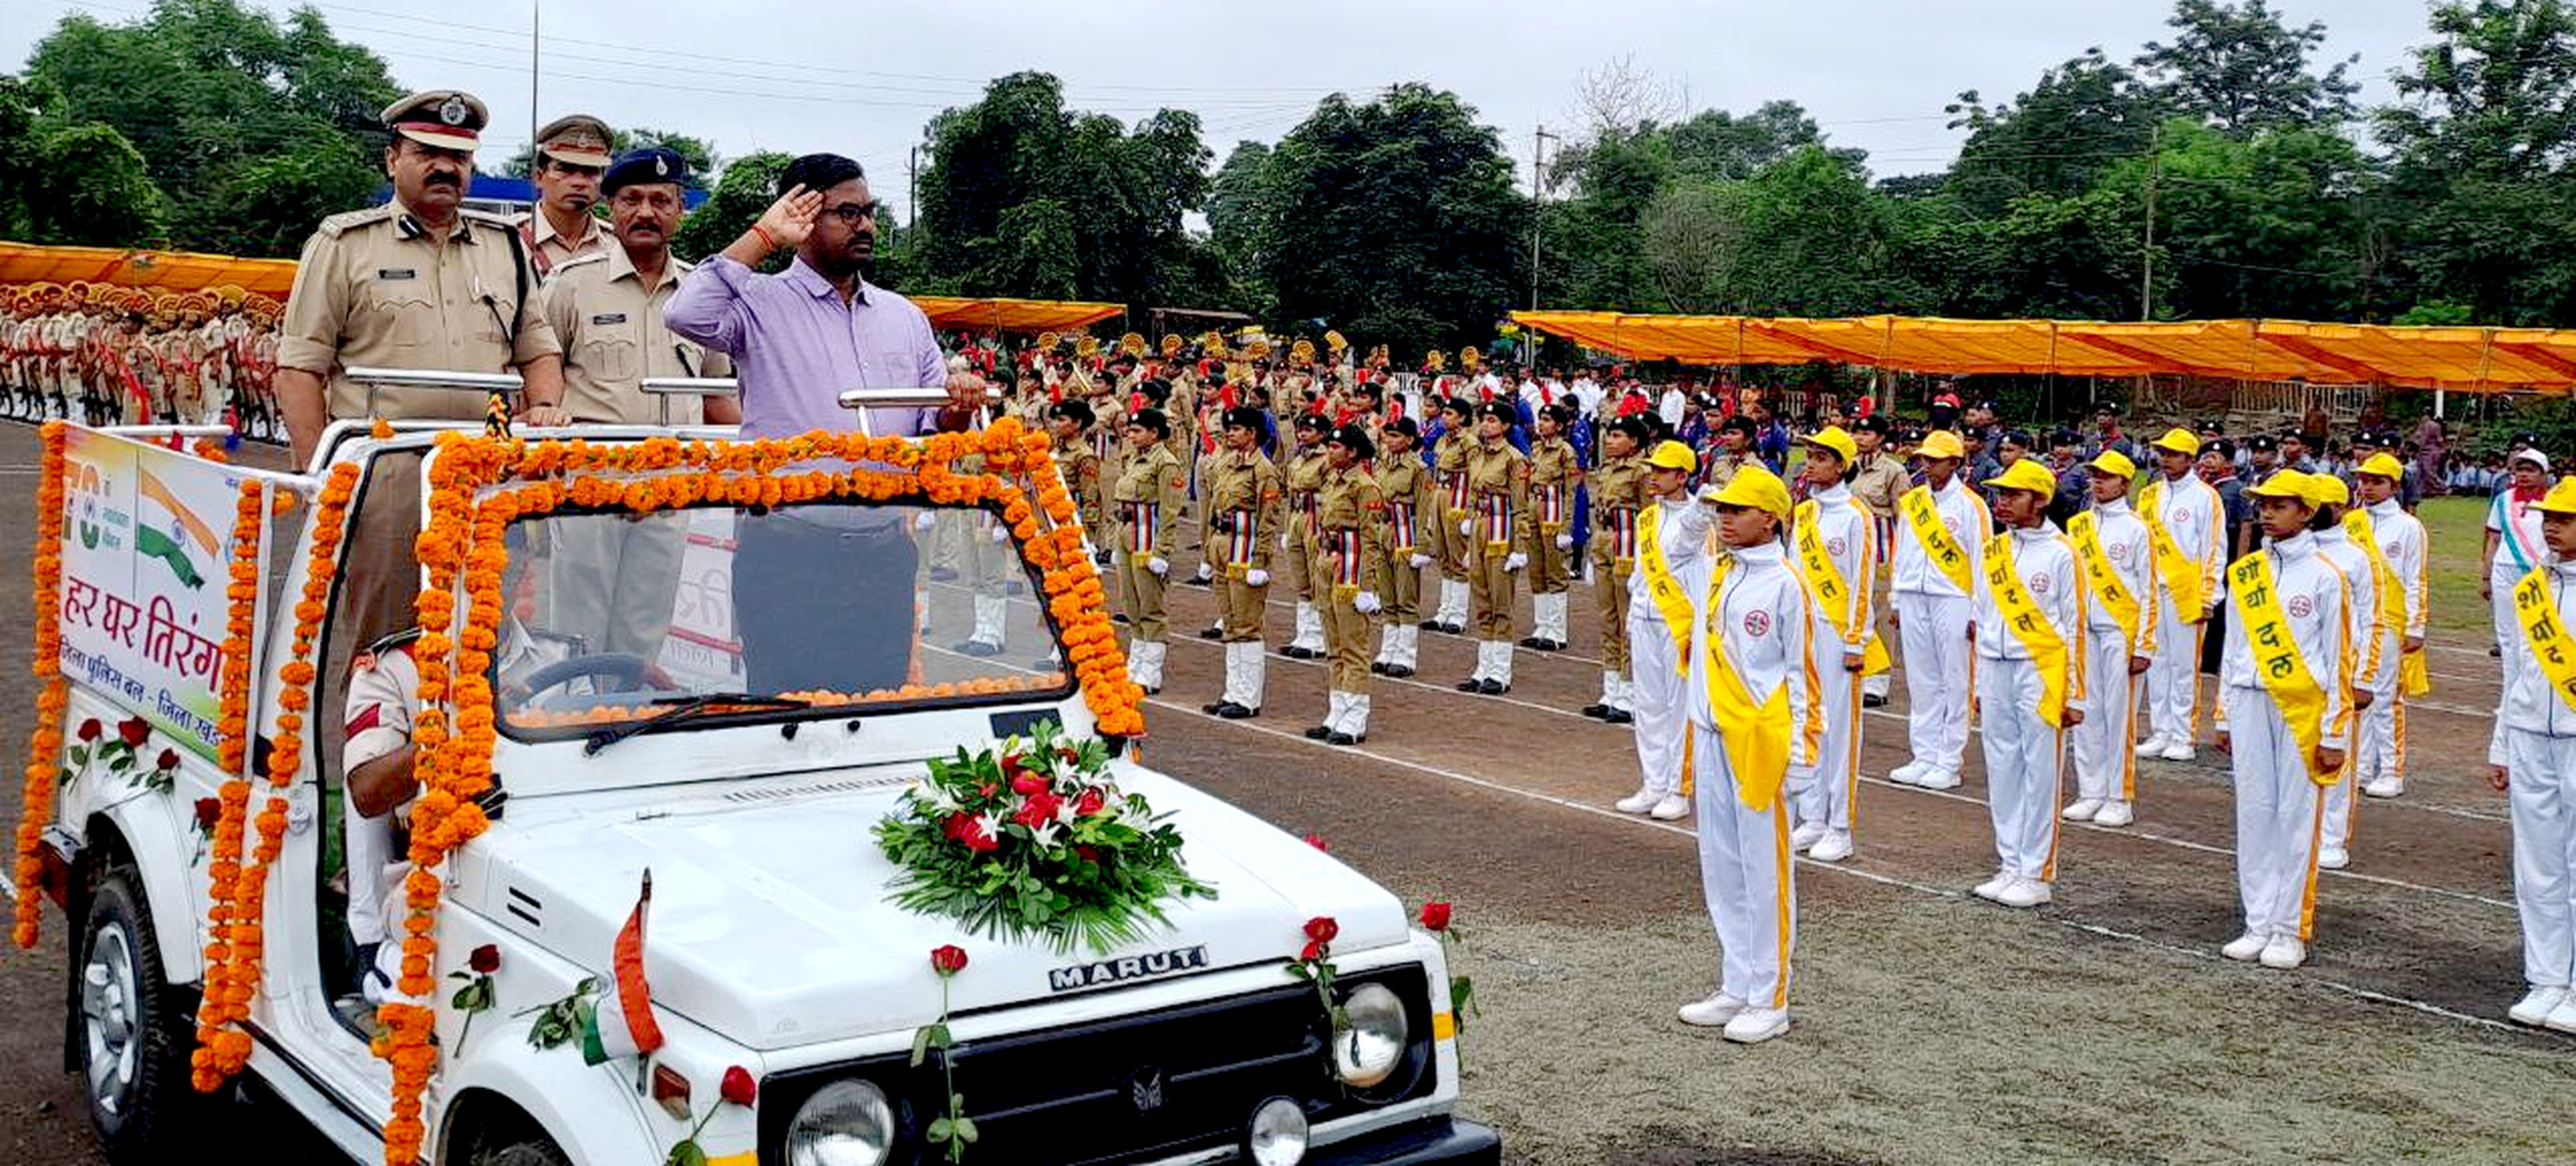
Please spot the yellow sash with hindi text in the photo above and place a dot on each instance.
(2029, 625)
(1671, 601)
(2175, 570)
(1825, 582)
(2547, 633)
(2412, 678)
(2293, 688)
(1756, 733)
(2086, 531)
(1924, 516)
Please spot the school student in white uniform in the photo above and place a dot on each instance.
(1672, 566)
(2030, 680)
(2379, 752)
(2370, 667)
(2539, 775)
(1833, 550)
(2283, 717)
(1941, 531)
(2189, 525)
(1753, 719)
(2112, 546)
(2513, 549)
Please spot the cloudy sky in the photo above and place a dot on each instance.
(862, 79)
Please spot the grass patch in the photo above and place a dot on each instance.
(2456, 528)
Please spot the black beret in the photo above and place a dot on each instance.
(1874, 423)
(1243, 417)
(1405, 426)
(1151, 420)
(1499, 411)
(651, 164)
(1314, 421)
(1634, 426)
(2262, 443)
(1356, 440)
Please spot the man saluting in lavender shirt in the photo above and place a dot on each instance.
(799, 339)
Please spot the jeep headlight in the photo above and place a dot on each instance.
(845, 1123)
(1367, 1051)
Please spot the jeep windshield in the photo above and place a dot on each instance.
(802, 610)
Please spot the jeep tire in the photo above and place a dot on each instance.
(130, 1036)
(526, 1149)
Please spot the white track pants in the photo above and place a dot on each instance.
(1661, 696)
(1827, 797)
(2379, 745)
(2543, 796)
(2106, 768)
(2023, 767)
(2173, 677)
(1932, 633)
(1746, 873)
(2278, 816)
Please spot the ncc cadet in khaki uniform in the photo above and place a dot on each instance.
(1449, 477)
(1618, 494)
(1409, 526)
(1147, 502)
(571, 159)
(1735, 437)
(417, 283)
(1304, 475)
(1349, 579)
(1554, 473)
(1242, 494)
(611, 580)
(1069, 438)
(1877, 480)
(1498, 525)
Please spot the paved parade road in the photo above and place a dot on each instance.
(1931, 1027)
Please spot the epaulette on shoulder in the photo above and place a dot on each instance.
(591, 259)
(484, 218)
(346, 220)
(397, 640)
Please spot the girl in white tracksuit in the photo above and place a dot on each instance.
(1676, 528)
(2017, 666)
(1753, 683)
(1847, 535)
(2540, 780)
(2379, 751)
(1933, 603)
(2116, 654)
(2278, 811)
(2371, 664)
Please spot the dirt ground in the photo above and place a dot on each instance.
(1930, 1027)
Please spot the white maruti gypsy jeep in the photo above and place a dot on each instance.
(671, 704)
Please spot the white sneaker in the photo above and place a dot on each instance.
(1806, 835)
(2082, 811)
(1835, 846)
(2115, 813)
(1993, 886)
(2534, 1009)
(2333, 857)
(1939, 778)
(2384, 787)
(2024, 892)
(2563, 1017)
(1638, 802)
(2285, 951)
(1756, 1025)
(2152, 746)
(1672, 808)
(2178, 751)
(1713, 1012)
(2246, 948)
(1908, 773)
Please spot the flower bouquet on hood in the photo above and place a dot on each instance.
(1031, 839)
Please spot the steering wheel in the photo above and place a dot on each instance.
(630, 671)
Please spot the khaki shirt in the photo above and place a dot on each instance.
(1881, 479)
(1304, 476)
(1496, 470)
(1242, 485)
(374, 288)
(1552, 468)
(610, 326)
(1720, 467)
(550, 250)
(1080, 469)
(1153, 487)
(1349, 500)
(1406, 487)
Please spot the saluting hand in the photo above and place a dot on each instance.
(790, 220)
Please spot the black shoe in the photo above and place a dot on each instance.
(1294, 652)
(1430, 625)
(1195, 581)
(1399, 671)
(1471, 685)
(978, 648)
(1216, 707)
(1455, 629)
(1236, 712)
(1534, 643)
(1493, 688)
(1121, 617)
(1211, 633)
(1319, 732)
(1598, 712)
(1378, 667)
(1621, 717)
(942, 575)
(1343, 739)
(1554, 646)
(1871, 700)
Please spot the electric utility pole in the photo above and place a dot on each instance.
(1538, 200)
(2155, 169)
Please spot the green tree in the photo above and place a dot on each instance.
(2058, 139)
(1395, 221)
(2239, 68)
(746, 188)
(70, 182)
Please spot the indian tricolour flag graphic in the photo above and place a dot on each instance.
(166, 536)
(622, 1023)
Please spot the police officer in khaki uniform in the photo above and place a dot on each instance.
(1242, 493)
(1449, 479)
(1346, 567)
(1496, 527)
(1147, 503)
(1412, 527)
(1304, 475)
(1618, 494)
(1877, 478)
(568, 172)
(1554, 473)
(417, 283)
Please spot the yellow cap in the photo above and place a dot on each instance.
(1941, 443)
(2328, 490)
(2381, 465)
(1833, 438)
(1673, 455)
(1756, 487)
(2561, 498)
(2285, 484)
(2180, 440)
(2116, 463)
(2026, 474)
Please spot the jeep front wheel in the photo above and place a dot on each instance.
(131, 1039)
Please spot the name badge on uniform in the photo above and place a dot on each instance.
(609, 318)
(394, 273)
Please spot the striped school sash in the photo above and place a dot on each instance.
(1399, 518)
(1240, 545)
(1347, 566)
(1551, 506)
(1623, 539)
(1456, 485)
(1141, 518)
(1498, 521)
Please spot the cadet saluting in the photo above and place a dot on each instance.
(1672, 555)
